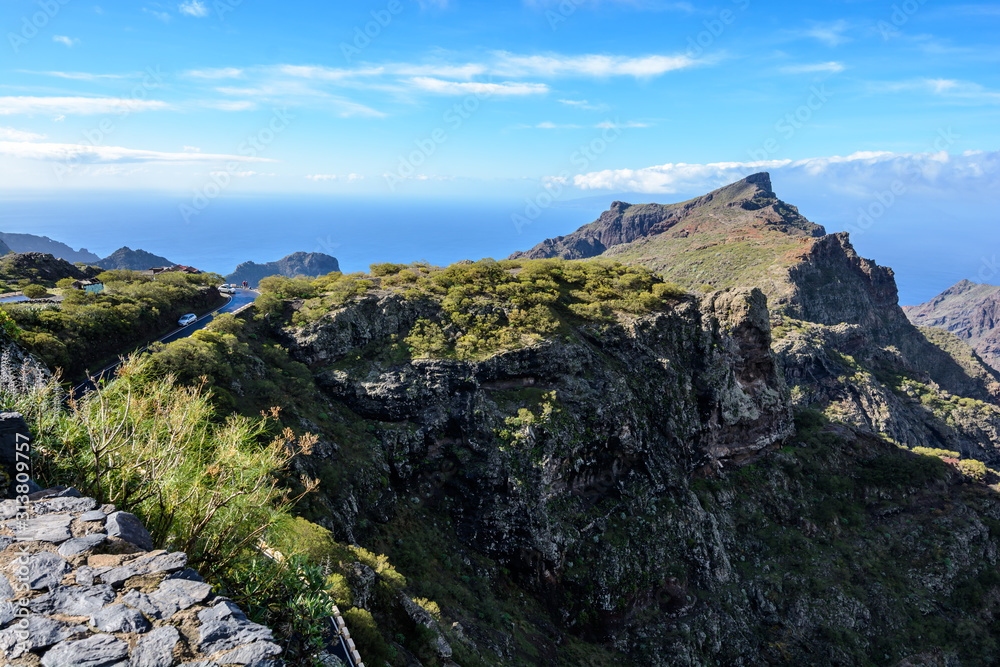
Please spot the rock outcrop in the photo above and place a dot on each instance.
(970, 311)
(79, 585)
(132, 260)
(308, 264)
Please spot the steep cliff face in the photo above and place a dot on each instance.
(968, 310)
(309, 264)
(639, 484)
(843, 341)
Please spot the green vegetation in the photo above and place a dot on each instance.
(486, 306)
(35, 291)
(87, 331)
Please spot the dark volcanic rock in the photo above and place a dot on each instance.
(132, 260)
(310, 265)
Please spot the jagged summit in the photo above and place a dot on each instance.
(747, 204)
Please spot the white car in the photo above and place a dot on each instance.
(227, 289)
(187, 319)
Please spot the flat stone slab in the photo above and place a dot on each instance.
(156, 649)
(127, 527)
(46, 570)
(79, 545)
(6, 590)
(93, 515)
(225, 627)
(73, 600)
(95, 651)
(63, 504)
(86, 575)
(50, 528)
(8, 611)
(8, 509)
(176, 595)
(40, 632)
(139, 600)
(120, 618)
(150, 565)
(5, 542)
(251, 654)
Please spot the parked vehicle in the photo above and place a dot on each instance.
(227, 289)
(187, 319)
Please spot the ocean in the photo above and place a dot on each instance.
(927, 252)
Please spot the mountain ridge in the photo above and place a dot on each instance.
(33, 243)
(969, 310)
(132, 260)
(310, 264)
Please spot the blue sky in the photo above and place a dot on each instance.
(455, 97)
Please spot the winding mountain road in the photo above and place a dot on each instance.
(237, 302)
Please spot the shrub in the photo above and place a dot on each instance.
(65, 283)
(35, 291)
(366, 636)
(202, 485)
(972, 468)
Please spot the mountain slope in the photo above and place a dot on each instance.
(132, 260)
(311, 264)
(845, 344)
(40, 268)
(33, 243)
(970, 311)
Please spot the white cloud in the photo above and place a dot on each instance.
(953, 90)
(109, 154)
(191, 149)
(216, 73)
(231, 105)
(10, 134)
(858, 172)
(63, 39)
(831, 33)
(555, 65)
(319, 178)
(584, 104)
(76, 105)
(160, 16)
(831, 67)
(77, 76)
(442, 87)
(195, 8)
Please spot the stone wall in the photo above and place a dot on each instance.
(80, 586)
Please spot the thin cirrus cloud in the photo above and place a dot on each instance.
(830, 33)
(217, 73)
(857, 172)
(194, 8)
(949, 90)
(506, 88)
(10, 134)
(83, 154)
(76, 105)
(76, 76)
(67, 41)
(831, 67)
(600, 66)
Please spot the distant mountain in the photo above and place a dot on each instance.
(133, 260)
(4, 248)
(970, 311)
(309, 264)
(43, 244)
(41, 268)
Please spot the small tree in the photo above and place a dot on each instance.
(33, 291)
(65, 283)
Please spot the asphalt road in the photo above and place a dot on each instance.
(236, 301)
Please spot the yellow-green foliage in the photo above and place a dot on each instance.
(298, 537)
(380, 564)
(338, 588)
(365, 634)
(430, 607)
(972, 468)
(940, 453)
(202, 484)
